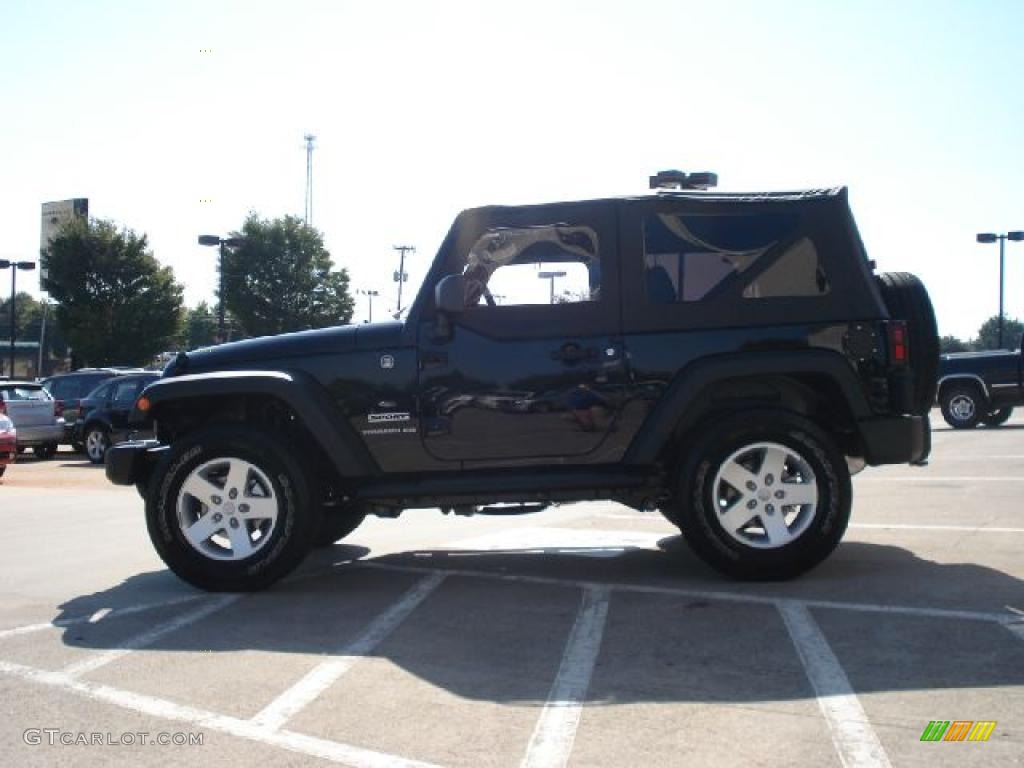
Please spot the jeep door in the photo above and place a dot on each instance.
(532, 370)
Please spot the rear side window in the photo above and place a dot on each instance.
(12, 394)
(693, 258)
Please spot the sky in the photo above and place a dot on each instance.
(422, 109)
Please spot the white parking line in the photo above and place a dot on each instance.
(735, 597)
(321, 677)
(311, 746)
(555, 732)
(938, 479)
(147, 638)
(126, 611)
(854, 738)
(961, 528)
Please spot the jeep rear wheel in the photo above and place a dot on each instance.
(229, 509)
(764, 495)
(962, 406)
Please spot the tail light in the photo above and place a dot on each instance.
(899, 352)
(58, 409)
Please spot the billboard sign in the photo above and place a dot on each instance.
(53, 218)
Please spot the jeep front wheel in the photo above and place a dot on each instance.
(229, 509)
(764, 495)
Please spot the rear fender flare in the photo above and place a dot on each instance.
(662, 422)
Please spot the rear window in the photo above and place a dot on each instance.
(11, 394)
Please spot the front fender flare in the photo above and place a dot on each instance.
(302, 393)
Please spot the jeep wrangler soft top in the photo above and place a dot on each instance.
(727, 359)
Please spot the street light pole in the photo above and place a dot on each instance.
(221, 242)
(369, 295)
(14, 266)
(991, 237)
(551, 276)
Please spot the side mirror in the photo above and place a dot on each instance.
(450, 295)
(450, 299)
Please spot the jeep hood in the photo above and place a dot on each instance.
(265, 350)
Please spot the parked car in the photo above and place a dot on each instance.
(727, 359)
(8, 443)
(103, 419)
(70, 388)
(981, 387)
(36, 416)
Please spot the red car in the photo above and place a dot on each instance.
(8, 443)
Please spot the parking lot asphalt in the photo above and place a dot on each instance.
(586, 635)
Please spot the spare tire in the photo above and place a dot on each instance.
(907, 299)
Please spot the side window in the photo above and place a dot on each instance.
(101, 392)
(554, 264)
(689, 258)
(125, 391)
(797, 272)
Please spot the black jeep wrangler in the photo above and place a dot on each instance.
(727, 359)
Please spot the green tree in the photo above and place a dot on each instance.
(281, 279)
(948, 344)
(988, 334)
(30, 325)
(200, 326)
(115, 303)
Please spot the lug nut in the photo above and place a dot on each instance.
(770, 509)
(216, 500)
(217, 517)
(752, 504)
(780, 494)
(243, 508)
(233, 523)
(233, 493)
(751, 486)
(768, 480)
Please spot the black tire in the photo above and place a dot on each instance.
(97, 441)
(748, 552)
(45, 451)
(907, 299)
(3, 469)
(336, 524)
(962, 405)
(275, 477)
(997, 418)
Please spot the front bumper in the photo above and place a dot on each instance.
(130, 463)
(896, 440)
(37, 435)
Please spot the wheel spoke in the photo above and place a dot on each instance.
(800, 493)
(736, 475)
(776, 529)
(241, 544)
(200, 488)
(202, 529)
(260, 509)
(238, 476)
(737, 516)
(773, 464)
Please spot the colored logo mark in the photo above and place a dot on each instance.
(958, 730)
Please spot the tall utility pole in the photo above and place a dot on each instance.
(400, 275)
(310, 138)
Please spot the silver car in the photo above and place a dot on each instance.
(35, 414)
